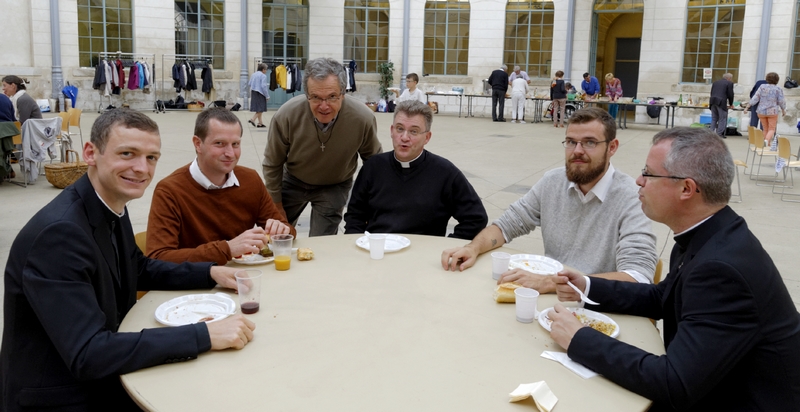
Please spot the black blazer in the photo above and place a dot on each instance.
(499, 80)
(731, 330)
(721, 93)
(65, 299)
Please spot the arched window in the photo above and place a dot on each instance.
(446, 48)
(713, 39)
(366, 33)
(103, 26)
(285, 29)
(529, 36)
(200, 29)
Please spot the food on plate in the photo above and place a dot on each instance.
(305, 253)
(504, 292)
(266, 251)
(598, 325)
(248, 257)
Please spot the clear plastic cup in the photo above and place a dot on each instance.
(281, 246)
(248, 283)
(526, 299)
(377, 244)
(499, 264)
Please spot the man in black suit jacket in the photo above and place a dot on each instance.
(499, 82)
(731, 330)
(721, 99)
(72, 275)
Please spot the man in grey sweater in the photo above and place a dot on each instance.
(589, 214)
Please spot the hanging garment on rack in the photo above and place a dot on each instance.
(114, 77)
(208, 83)
(120, 68)
(280, 75)
(191, 80)
(273, 80)
(148, 77)
(184, 77)
(140, 70)
(99, 76)
(109, 78)
(289, 84)
(352, 76)
(297, 77)
(349, 87)
(176, 76)
(133, 81)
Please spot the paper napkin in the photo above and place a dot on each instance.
(543, 397)
(576, 367)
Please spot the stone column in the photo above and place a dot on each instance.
(55, 41)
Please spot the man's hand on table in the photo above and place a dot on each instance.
(224, 276)
(564, 325)
(566, 293)
(250, 241)
(232, 332)
(459, 258)
(542, 283)
(276, 227)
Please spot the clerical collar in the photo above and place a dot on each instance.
(325, 127)
(109, 207)
(202, 180)
(407, 165)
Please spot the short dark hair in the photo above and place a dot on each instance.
(703, 156)
(412, 76)
(220, 114)
(15, 80)
(590, 114)
(585, 75)
(129, 119)
(772, 78)
(414, 108)
(559, 73)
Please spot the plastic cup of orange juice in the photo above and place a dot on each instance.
(281, 246)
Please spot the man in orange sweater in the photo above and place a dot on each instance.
(212, 210)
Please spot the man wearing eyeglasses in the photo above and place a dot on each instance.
(411, 190)
(731, 330)
(589, 214)
(314, 144)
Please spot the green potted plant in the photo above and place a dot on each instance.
(386, 70)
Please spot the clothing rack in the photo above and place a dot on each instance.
(200, 61)
(127, 60)
(274, 61)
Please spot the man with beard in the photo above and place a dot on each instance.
(589, 214)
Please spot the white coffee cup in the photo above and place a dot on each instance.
(526, 300)
(377, 244)
(499, 264)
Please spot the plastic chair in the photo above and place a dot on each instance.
(738, 163)
(141, 242)
(785, 153)
(659, 269)
(756, 145)
(75, 121)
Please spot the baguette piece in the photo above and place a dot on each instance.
(305, 254)
(504, 292)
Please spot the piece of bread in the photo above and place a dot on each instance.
(305, 254)
(504, 292)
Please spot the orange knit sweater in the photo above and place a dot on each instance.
(190, 223)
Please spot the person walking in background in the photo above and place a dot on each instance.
(769, 98)
(721, 99)
(754, 107)
(499, 82)
(558, 94)
(259, 94)
(614, 92)
(519, 89)
(590, 86)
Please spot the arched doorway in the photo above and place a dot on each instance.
(616, 41)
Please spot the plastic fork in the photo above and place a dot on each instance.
(583, 296)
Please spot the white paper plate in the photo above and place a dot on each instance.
(182, 310)
(540, 265)
(253, 259)
(585, 315)
(393, 242)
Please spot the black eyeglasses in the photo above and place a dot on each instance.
(645, 173)
(586, 144)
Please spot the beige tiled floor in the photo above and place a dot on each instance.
(502, 160)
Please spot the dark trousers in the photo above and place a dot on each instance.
(719, 119)
(498, 98)
(327, 203)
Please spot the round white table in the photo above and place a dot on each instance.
(344, 332)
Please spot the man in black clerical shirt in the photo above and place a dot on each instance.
(411, 190)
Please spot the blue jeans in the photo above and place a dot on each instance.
(327, 203)
(613, 108)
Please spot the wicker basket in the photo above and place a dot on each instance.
(62, 175)
(194, 107)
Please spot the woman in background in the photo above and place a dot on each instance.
(769, 98)
(614, 92)
(558, 94)
(24, 106)
(259, 94)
